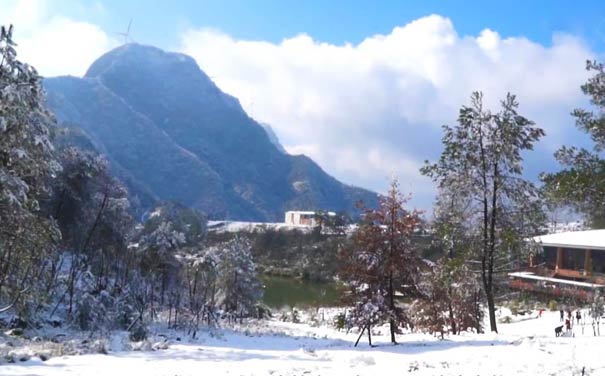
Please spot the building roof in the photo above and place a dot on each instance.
(307, 212)
(592, 239)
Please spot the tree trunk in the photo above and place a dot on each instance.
(392, 325)
(162, 289)
(478, 311)
(451, 315)
(492, 250)
(71, 284)
(363, 330)
(491, 307)
(487, 252)
(75, 274)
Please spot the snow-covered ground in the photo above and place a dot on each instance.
(527, 346)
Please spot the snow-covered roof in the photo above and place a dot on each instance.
(592, 239)
(306, 212)
(301, 212)
(530, 275)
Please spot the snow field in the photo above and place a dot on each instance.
(527, 346)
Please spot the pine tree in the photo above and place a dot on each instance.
(238, 286)
(581, 183)
(482, 161)
(169, 229)
(26, 163)
(452, 277)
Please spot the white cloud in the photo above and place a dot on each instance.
(363, 111)
(52, 43)
(369, 110)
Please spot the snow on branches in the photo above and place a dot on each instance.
(381, 263)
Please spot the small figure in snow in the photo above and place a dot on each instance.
(568, 324)
(562, 315)
(578, 316)
(540, 312)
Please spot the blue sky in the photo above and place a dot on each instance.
(361, 87)
(158, 22)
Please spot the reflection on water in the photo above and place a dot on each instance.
(291, 292)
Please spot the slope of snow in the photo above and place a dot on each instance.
(527, 346)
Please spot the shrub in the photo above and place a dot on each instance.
(552, 305)
(340, 321)
(514, 307)
(139, 332)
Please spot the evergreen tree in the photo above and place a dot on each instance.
(169, 229)
(581, 183)
(482, 161)
(238, 286)
(452, 277)
(200, 276)
(26, 162)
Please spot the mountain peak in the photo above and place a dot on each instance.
(133, 54)
(175, 135)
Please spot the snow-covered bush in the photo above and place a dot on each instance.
(449, 300)
(237, 283)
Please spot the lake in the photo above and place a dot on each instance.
(292, 292)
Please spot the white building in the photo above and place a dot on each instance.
(303, 218)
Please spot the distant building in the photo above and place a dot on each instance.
(303, 218)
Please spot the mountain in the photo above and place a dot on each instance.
(273, 138)
(171, 134)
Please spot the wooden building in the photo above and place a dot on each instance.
(567, 259)
(575, 255)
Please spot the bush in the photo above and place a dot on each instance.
(138, 332)
(291, 316)
(514, 307)
(552, 305)
(340, 321)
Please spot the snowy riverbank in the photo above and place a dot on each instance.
(524, 347)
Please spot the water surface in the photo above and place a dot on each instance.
(283, 291)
